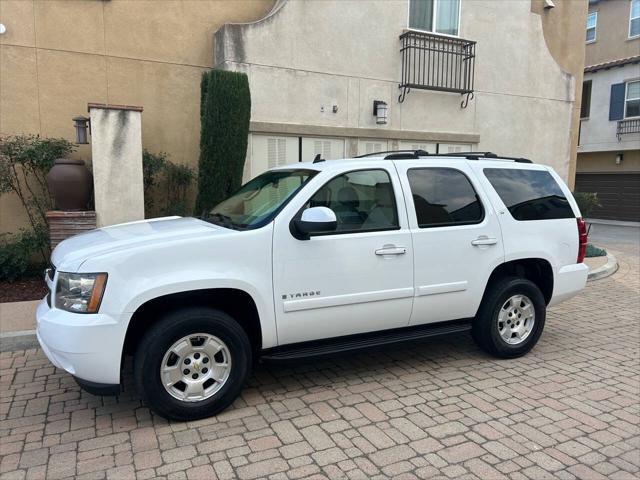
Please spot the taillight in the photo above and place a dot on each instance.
(582, 239)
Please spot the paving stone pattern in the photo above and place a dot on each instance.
(441, 409)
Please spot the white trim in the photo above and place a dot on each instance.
(433, 20)
(595, 28)
(629, 36)
(626, 88)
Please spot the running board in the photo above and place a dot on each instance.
(339, 345)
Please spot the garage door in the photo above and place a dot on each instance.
(328, 148)
(619, 194)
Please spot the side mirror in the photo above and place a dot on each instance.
(314, 220)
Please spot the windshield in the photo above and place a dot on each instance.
(258, 201)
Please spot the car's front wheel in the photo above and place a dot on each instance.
(192, 363)
(511, 317)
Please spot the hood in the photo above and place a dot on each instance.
(71, 253)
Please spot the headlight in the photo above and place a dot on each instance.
(80, 292)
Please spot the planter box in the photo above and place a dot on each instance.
(63, 225)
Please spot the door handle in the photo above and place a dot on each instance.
(389, 250)
(484, 240)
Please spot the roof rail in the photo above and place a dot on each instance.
(413, 154)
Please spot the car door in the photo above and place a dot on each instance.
(358, 278)
(456, 234)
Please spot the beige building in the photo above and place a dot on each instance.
(609, 141)
(56, 56)
(503, 76)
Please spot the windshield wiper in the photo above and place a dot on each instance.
(226, 220)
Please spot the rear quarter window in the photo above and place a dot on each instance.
(529, 194)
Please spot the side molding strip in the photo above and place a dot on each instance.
(349, 299)
(442, 288)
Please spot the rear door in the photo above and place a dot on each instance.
(456, 235)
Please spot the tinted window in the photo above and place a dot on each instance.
(529, 194)
(443, 197)
(362, 200)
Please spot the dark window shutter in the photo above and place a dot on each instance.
(616, 102)
(585, 106)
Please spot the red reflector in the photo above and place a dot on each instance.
(582, 239)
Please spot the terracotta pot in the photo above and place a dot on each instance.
(70, 183)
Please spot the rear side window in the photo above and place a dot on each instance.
(529, 194)
(443, 197)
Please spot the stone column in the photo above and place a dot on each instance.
(116, 151)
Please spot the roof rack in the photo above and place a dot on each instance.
(413, 154)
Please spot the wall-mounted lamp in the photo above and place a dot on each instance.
(3, 29)
(82, 125)
(380, 111)
(548, 4)
(619, 158)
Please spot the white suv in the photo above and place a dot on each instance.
(312, 259)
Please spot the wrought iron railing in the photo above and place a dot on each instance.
(627, 126)
(436, 62)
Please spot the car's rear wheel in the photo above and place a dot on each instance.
(511, 317)
(192, 363)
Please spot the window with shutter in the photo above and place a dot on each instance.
(417, 145)
(616, 102)
(585, 106)
(632, 100)
(328, 148)
(276, 152)
(370, 145)
(322, 147)
(453, 147)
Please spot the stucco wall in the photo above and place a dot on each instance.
(606, 162)
(57, 56)
(116, 151)
(597, 132)
(612, 33)
(312, 54)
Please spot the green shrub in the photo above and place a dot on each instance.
(152, 165)
(25, 161)
(587, 202)
(593, 251)
(225, 111)
(163, 177)
(178, 179)
(17, 251)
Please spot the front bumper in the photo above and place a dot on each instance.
(88, 346)
(568, 282)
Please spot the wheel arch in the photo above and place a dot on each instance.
(237, 303)
(537, 270)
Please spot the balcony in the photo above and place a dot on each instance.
(436, 62)
(627, 126)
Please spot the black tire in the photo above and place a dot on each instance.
(171, 328)
(485, 326)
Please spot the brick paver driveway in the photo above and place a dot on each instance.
(569, 409)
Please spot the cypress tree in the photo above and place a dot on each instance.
(225, 111)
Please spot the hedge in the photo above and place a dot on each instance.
(225, 111)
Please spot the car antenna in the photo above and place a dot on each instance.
(318, 159)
